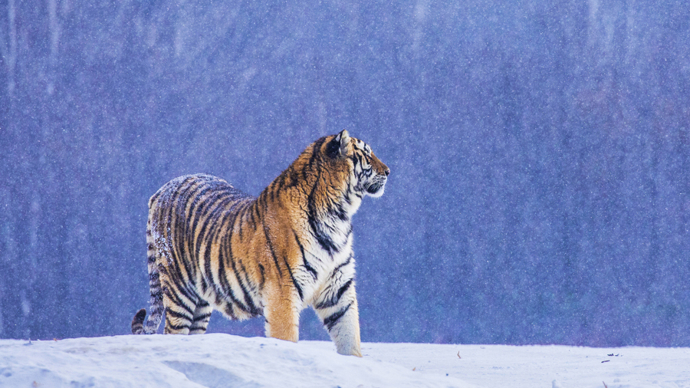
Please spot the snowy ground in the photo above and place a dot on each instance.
(221, 360)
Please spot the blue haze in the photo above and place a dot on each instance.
(540, 156)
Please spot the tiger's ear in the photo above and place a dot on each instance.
(344, 139)
(338, 146)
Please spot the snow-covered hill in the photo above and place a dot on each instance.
(220, 360)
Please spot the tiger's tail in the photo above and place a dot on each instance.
(156, 301)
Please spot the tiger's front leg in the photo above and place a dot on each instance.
(337, 308)
(342, 324)
(282, 313)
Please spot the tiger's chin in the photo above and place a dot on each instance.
(376, 188)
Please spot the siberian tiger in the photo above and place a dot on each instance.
(212, 246)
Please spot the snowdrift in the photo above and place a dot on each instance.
(221, 360)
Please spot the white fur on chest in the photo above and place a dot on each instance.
(325, 262)
(324, 265)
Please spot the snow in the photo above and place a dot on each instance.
(221, 360)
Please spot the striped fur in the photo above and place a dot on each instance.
(211, 246)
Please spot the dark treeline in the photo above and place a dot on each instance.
(540, 156)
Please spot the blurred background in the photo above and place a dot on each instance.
(540, 156)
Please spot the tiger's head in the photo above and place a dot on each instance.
(366, 174)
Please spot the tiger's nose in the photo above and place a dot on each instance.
(387, 172)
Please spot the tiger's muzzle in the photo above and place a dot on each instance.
(377, 185)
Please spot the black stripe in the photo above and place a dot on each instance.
(347, 195)
(175, 327)
(208, 273)
(214, 233)
(333, 319)
(196, 212)
(281, 178)
(210, 223)
(333, 300)
(315, 152)
(342, 290)
(263, 277)
(262, 204)
(248, 281)
(204, 283)
(354, 159)
(322, 237)
(203, 209)
(155, 196)
(294, 281)
(273, 253)
(256, 208)
(174, 275)
(182, 229)
(227, 246)
(247, 297)
(176, 208)
(273, 187)
(308, 267)
(242, 213)
(156, 298)
(349, 259)
(359, 159)
(201, 317)
(252, 217)
(337, 210)
(177, 314)
(226, 288)
(179, 302)
(183, 288)
(229, 311)
(183, 239)
(294, 180)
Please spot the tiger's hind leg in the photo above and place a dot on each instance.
(179, 312)
(202, 314)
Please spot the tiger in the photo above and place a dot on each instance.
(211, 246)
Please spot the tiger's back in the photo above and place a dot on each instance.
(212, 246)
